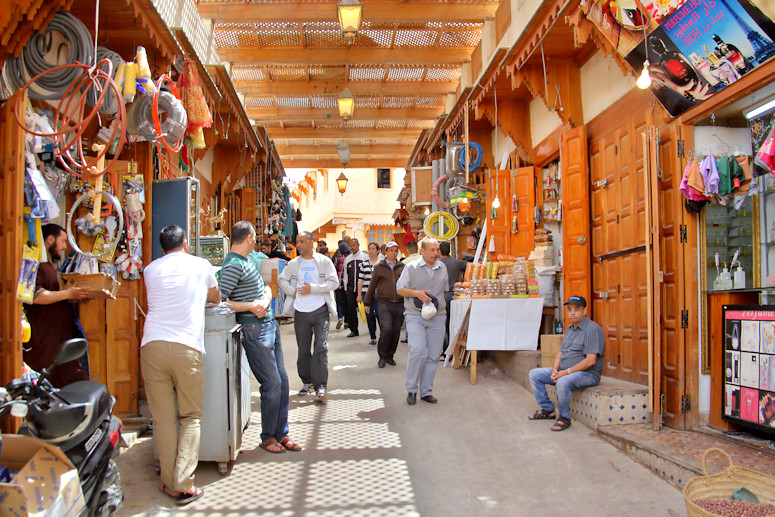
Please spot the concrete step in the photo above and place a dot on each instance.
(675, 467)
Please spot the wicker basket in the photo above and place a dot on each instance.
(724, 484)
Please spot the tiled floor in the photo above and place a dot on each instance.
(692, 445)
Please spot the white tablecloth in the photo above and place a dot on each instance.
(498, 324)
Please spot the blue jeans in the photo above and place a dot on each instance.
(372, 319)
(265, 355)
(540, 377)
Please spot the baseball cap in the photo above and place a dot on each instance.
(391, 244)
(576, 300)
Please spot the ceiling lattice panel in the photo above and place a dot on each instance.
(291, 62)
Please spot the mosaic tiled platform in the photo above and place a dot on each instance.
(677, 455)
(611, 402)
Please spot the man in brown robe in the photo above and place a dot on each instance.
(51, 316)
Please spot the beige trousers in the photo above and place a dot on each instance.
(174, 384)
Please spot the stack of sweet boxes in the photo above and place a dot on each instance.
(540, 257)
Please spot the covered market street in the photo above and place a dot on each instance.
(367, 453)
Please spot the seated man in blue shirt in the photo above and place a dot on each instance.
(578, 365)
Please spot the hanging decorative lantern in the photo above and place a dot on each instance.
(349, 13)
(341, 183)
(344, 153)
(346, 104)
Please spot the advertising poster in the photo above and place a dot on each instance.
(749, 366)
(702, 47)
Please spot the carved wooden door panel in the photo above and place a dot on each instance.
(576, 236)
(522, 183)
(11, 204)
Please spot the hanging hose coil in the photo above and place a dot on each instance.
(110, 102)
(472, 166)
(70, 116)
(172, 129)
(76, 47)
(435, 192)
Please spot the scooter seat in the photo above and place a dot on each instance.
(87, 392)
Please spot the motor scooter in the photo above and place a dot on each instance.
(78, 419)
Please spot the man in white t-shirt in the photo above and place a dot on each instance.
(309, 282)
(177, 285)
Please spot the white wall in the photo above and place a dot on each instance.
(205, 165)
(542, 121)
(362, 202)
(602, 84)
(501, 144)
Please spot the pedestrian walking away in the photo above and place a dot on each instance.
(455, 269)
(342, 252)
(177, 287)
(578, 365)
(364, 278)
(244, 291)
(382, 289)
(422, 284)
(351, 268)
(309, 282)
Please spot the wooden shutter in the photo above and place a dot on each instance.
(11, 204)
(576, 262)
(523, 241)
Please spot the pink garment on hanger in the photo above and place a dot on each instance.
(692, 185)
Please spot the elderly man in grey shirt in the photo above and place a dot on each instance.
(421, 281)
(578, 365)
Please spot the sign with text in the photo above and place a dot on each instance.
(749, 366)
(702, 47)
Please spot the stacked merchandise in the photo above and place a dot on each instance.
(520, 276)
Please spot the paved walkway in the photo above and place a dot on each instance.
(367, 453)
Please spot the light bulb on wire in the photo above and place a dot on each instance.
(427, 211)
(496, 203)
(644, 81)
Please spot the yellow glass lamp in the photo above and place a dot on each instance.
(350, 13)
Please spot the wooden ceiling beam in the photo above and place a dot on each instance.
(334, 163)
(306, 150)
(285, 114)
(259, 88)
(333, 132)
(354, 56)
(380, 12)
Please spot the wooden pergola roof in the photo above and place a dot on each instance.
(291, 62)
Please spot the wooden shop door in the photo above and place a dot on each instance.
(522, 186)
(675, 252)
(577, 273)
(499, 219)
(11, 203)
(113, 335)
(618, 248)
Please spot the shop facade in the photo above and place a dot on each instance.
(561, 104)
(234, 167)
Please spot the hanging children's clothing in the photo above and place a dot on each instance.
(710, 174)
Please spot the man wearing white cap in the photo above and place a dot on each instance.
(382, 287)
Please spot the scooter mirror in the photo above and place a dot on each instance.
(70, 350)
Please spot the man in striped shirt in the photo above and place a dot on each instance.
(244, 291)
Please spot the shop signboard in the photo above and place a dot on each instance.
(699, 47)
(749, 366)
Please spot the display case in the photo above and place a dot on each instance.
(213, 248)
(175, 201)
(728, 231)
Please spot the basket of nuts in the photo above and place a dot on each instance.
(712, 495)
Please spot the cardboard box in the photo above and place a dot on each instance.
(46, 484)
(550, 347)
(97, 285)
